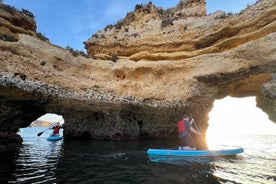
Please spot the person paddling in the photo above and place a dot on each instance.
(184, 133)
(56, 130)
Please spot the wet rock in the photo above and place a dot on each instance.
(9, 142)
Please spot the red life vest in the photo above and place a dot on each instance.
(56, 129)
(181, 126)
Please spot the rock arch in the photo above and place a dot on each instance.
(232, 58)
(106, 115)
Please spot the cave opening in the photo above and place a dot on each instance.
(43, 126)
(48, 119)
(231, 118)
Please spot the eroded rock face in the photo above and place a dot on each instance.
(182, 32)
(129, 100)
(267, 101)
(14, 22)
(149, 30)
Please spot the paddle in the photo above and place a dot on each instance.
(40, 133)
(197, 129)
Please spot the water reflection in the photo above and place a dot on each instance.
(179, 160)
(87, 161)
(203, 166)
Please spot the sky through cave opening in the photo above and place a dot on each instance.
(232, 117)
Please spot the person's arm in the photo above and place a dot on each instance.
(194, 131)
(192, 121)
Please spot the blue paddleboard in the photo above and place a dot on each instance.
(54, 138)
(195, 153)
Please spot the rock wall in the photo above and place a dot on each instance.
(267, 101)
(128, 100)
(13, 22)
(173, 34)
(149, 29)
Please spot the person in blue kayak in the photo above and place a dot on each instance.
(56, 130)
(184, 133)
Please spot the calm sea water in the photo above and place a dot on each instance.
(87, 161)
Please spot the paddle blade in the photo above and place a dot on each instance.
(40, 133)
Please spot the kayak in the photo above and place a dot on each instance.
(195, 153)
(54, 138)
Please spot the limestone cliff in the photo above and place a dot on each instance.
(121, 99)
(150, 33)
(14, 22)
(150, 30)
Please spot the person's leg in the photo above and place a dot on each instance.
(187, 148)
(185, 143)
(182, 143)
(190, 142)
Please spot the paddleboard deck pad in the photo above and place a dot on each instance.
(54, 138)
(195, 153)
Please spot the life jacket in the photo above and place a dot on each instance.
(181, 126)
(56, 129)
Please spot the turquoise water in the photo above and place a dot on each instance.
(88, 161)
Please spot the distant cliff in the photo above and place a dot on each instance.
(187, 59)
(40, 123)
